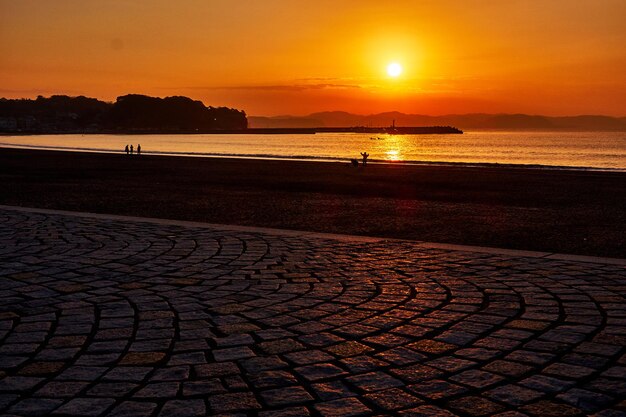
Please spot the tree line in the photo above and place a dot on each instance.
(129, 113)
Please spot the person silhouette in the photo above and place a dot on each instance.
(126, 149)
(364, 155)
(138, 148)
(131, 149)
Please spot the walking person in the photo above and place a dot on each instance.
(126, 149)
(138, 148)
(131, 149)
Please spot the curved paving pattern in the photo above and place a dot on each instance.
(109, 317)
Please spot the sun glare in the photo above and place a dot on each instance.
(394, 69)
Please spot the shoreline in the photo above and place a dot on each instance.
(560, 211)
(262, 157)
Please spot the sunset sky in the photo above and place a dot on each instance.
(270, 57)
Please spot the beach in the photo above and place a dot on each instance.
(564, 211)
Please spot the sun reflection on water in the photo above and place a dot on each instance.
(393, 155)
(394, 145)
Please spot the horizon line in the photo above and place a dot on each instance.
(331, 111)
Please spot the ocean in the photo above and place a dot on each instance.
(566, 150)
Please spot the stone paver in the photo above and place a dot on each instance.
(104, 316)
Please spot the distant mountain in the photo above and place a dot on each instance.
(462, 121)
(608, 123)
(276, 122)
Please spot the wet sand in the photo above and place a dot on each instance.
(578, 212)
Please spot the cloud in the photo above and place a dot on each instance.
(276, 87)
(34, 92)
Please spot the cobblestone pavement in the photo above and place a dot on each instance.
(112, 317)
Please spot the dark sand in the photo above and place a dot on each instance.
(558, 211)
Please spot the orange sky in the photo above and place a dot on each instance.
(269, 57)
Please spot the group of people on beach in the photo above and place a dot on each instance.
(355, 162)
(129, 149)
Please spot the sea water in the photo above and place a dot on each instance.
(582, 150)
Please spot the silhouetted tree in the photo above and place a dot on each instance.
(54, 113)
(130, 112)
(135, 111)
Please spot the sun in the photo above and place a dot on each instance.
(394, 69)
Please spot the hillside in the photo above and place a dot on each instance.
(132, 113)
